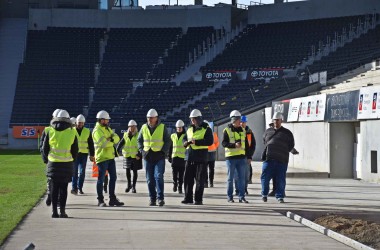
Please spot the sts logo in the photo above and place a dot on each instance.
(28, 132)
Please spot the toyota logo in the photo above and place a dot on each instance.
(209, 75)
(254, 73)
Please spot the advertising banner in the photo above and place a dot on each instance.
(27, 132)
(294, 110)
(282, 107)
(342, 106)
(312, 108)
(265, 74)
(216, 76)
(369, 105)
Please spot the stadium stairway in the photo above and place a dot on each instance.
(13, 32)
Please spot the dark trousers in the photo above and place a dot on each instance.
(59, 189)
(194, 171)
(250, 172)
(178, 170)
(210, 172)
(135, 175)
(274, 180)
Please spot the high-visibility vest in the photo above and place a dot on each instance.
(154, 141)
(130, 148)
(233, 137)
(215, 145)
(60, 145)
(83, 141)
(198, 135)
(178, 148)
(104, 149)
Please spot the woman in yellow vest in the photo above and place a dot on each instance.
(236, 148)
(132, 156)
(60, 148)
(177, 156)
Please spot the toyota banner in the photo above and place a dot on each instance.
(216, 76)
(265, 74)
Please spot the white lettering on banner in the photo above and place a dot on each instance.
(265, 73)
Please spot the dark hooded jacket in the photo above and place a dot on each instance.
(199, 155)
(59, 171)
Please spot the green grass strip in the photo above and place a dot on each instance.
(22, 183)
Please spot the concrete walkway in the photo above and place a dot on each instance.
(215, 225)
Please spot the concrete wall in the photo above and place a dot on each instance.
(314, 9)
(370, 133)
(217, 17)
(14, 143)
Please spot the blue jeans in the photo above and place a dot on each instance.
(154, 172)
(246, 177)
(109, 165)
(238, 165)
(79, 165)
(273, 168)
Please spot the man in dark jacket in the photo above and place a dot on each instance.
(198, 138)
(278, 142)
(60, 148)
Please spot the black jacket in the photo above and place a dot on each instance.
(90, 142)
(226, 143)
(252, 147)
(59, 171)
(199, 155)
(278, 143)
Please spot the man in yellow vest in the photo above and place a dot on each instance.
(132, 156)
(86, 146)
(177, 156)
(154, 143)
(42, 140)
(59, 150)
(105, 152)
(236, 148)
(197, 139)
(211, 157)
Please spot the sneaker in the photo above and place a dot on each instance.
(64, 215)
(265, 199)
(152, 203)
(180, 190)
(272, 194)
(128, 189)
(74, 191)
(55, 215)
(101, 203)
(161, 203)
(174, 188)
(48, 200)
(198, 203)
(280, 200)
(115, 202)
(243, 200)
(105, 189)
(81, 191)
(133, 190)
(186, 202)
(230, 200)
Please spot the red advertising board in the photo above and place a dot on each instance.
(27, 132)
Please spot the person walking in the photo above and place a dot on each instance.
(60, 148)
(236, 152)
(132, 156)
(278, 142)
(154, 142)
(197, 140)
(86, 147)
(211, 156)
(105, 152)
(177, 156)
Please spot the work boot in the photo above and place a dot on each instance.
(280, 200)
(133, 190)
(115, 202)
(101, 203)
(80, 191)
(198, 203)
(175, 187)
(128, 188)
(74, 191)
(180, 189)
(152, 203)
(63, 213)
(48, 200)
(243, 200)
(161, 203)
(265, 199)
(55, 213)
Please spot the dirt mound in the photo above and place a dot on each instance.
(362, 231)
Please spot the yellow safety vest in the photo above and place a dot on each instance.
(233, 137)
(154, 141)
(178, 148)
(198, 135)
(130, 148)
(104, 149)
(83, 140)
(60, 145)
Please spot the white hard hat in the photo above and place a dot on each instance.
(179, 124)
(73, 120)
(55, 113)
(235, 113)
(152, 113)
(132, 123)
(195, 113)
(277, 115)
(103, 115)
(80, 118)
(63, 114)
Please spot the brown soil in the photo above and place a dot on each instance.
(365, 232)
